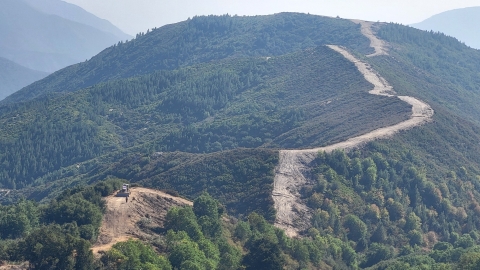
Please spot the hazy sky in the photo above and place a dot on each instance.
(133, 16)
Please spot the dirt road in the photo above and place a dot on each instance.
(120, 221)
(292, 172)
(379, 45)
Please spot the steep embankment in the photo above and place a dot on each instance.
(122, 219)
(292, 172)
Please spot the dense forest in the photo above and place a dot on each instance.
(201, 237)
(201, 108)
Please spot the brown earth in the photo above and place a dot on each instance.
(6, 266)
(379, 45)
(292, 172)
(122, 219)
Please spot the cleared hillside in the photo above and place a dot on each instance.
(138, 218)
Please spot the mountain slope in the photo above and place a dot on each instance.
(13, 77)
(459, 23)
(46, 42)
(121, 220)
(249, 102)
(198, 120)
(77, 14)
(202, 39)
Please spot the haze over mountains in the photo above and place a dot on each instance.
(460, 23)
(14, 76)
(42, 36)
(45, 41)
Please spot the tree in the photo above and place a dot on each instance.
(264, 254)
(134, 254)
(379, 235)
(185, 252)
(50, 247)
(183, 219)
(230, 256)
(208, 210)
(395, 209)
(469, 261)
(242, 231)
(415, 238)
(74, 208)
(413, 222)
(356, 227)
(377, 253)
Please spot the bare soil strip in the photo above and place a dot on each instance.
(120, 221)
(292, 172)
(379, 45)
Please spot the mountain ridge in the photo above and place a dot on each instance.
(28, 42)
(184, 39)
(459, 23)
(13, 77)
(212, 116)
(77, 14)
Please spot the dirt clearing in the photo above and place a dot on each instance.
(121, 219)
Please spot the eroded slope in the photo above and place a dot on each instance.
(122, 219)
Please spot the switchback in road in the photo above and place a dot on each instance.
(292, 171)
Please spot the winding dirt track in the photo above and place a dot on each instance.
(293, 169)
(379, 45)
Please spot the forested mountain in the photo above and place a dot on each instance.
(13, 77)
(45, 41)
(201, 39)
(460, 23)
(248, 102)
(206, 104)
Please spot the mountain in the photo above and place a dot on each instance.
(14, 77)
(48, 42)
(293, 120)
(77, 14)
(459, 23)
(200, 40)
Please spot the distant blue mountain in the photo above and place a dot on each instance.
(47, 35)
(77, 14)
(14, 77)
(462, 24)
